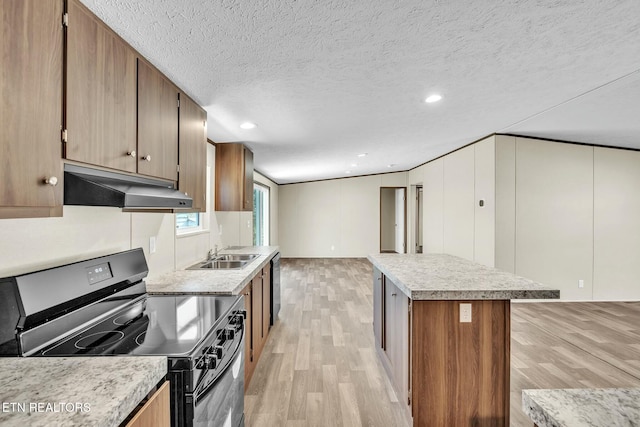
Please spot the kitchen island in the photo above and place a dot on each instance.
(76, 391)
(583, 407)
(442, 331)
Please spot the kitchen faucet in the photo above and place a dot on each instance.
(212, 253)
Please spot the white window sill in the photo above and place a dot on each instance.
(191, 233)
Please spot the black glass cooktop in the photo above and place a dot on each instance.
(154, 325)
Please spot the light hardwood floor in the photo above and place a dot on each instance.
(319, 366)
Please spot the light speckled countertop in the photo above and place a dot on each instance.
(612, 407)
(213, 282)
(44, 391)
(447, 277)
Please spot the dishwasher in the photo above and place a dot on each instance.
(275, 288)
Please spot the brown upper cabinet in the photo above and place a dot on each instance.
(31, 121)
(234, 177)
(193, 152)
(157, 124)
(101, 93)
(115, 110)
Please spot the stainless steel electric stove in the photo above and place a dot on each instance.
(100, 307)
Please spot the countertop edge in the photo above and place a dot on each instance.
(464, 294)
(534, 411)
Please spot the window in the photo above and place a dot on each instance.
(188, 221)
(260, 215)
(193, 221)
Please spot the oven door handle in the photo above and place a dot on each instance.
(201, 392)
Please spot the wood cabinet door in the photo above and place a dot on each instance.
(155, 412)
(266, 301)
(101, 93)
(247, 203)
(248, 360)
(400, 361)
(193, 152)
(256, 314)
(389, 315)
(229, 189)
(31, 89)
(377, 307)
(157, 124)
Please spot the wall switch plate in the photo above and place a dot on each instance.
(465, 313)
(581, 283)
(152, 244)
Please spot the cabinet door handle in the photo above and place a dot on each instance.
(147, 158)
(52, 181)
(131, 153)
(393, 295)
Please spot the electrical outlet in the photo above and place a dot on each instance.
(333, 248)
(465, 313)
(581, 283)
(152, 244)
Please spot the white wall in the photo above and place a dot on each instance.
(458, 203)
(554, 215)
(333, 218)
(433, 191)
(616, 224)
(561, 214)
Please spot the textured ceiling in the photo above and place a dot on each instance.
(326, 80)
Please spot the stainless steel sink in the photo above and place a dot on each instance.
(236, 257)
(225, 262)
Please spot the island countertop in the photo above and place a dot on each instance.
(583, 407)
(75, 391)
(212, 282)
(447, 277)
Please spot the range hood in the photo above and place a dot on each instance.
(92, 187)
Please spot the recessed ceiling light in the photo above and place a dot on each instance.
(347, 171)
(362, 154)
(433, 98)
(353, 165)
(248, 125)
(391, 165)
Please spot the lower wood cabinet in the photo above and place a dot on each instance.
(448, 372)
(257, 303)
(392, 314)
(156, 411)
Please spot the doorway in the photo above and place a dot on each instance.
(419, 220)
(393, 219)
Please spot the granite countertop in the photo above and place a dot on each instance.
(447, 277)
(612, 407)
(75, 391)
(212, 282)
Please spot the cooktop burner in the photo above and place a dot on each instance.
(140, 338)
(154, 325)
(99, 339)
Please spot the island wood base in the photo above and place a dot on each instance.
(460, 371)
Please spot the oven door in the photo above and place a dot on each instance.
(222, 402)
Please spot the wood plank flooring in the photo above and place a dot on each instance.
(319, 366)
